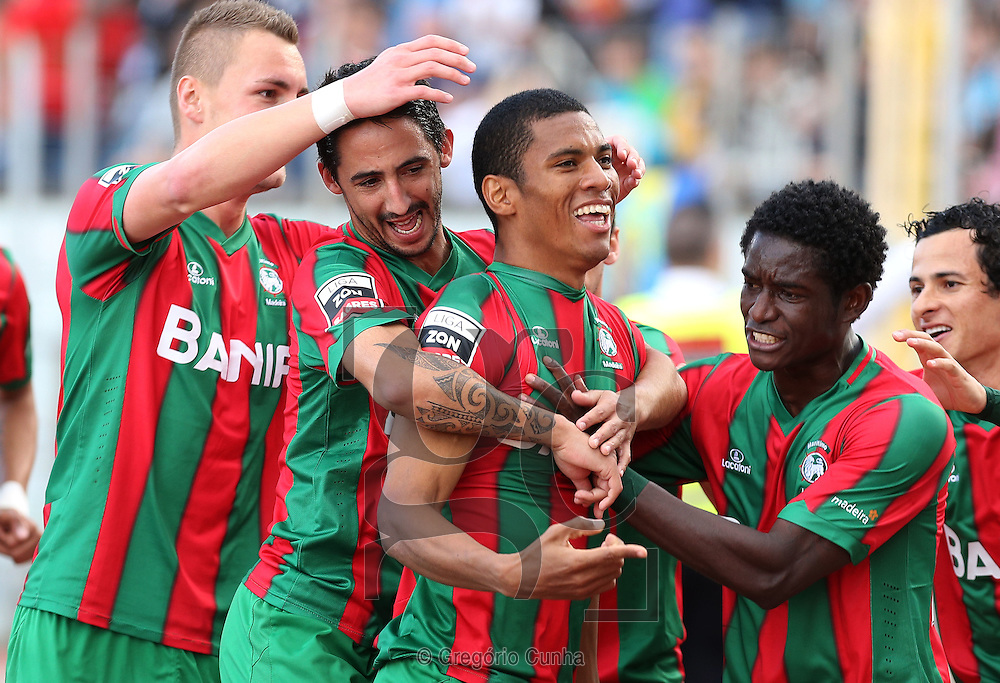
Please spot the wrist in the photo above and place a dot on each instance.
(14, 497)
(329, 107)
(632, 485)
(508, 579)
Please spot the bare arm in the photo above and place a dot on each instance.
(424, 467)
(768, 568)
(443, 395)
(19, 428)
(230, 161)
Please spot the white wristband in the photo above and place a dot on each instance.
(330, 108)
(13, 497)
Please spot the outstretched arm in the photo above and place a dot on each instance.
(231, 160)
(768, 568)
(424, 467)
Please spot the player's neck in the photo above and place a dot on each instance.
(799, 385)
(228, 215)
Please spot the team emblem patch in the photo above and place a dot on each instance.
(344, 295)
(270, 281)
(813, 466)
(453, 331)
(608, 346)
(115, 175)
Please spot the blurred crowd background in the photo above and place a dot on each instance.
(726, 100)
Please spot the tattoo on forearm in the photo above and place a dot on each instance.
(476, 405)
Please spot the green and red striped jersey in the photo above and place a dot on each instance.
(967, 581)
(15, 328)
(865, 466)
(640, 629)
(174, 353)
(323, 558)
(501, 323)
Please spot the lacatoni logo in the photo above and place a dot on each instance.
(540, 337)
(344, 295)
(853, 510)
(181, 343)
(734, 462)
(453, 331)
(270, 281)
(813, 467)
(196, 274)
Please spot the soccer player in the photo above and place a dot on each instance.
(544, 174)
(323, 588)
(18, 419)
(175, 350)
(955, 287)
(831, 461)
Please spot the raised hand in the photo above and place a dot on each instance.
(954, 387)
(391, 80)
(628, 164)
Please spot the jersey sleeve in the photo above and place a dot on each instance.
(339, 292)
(15, 328)
(890, 466)
(670, 455)
(466, 323)
(98, 253)
(661, 342)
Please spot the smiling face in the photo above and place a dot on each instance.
(951, 302)
(390, 177)
(793, 323)
(563, 206)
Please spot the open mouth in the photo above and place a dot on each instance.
(937, 330)
(409, 225)
(764, 338)
(597, 214)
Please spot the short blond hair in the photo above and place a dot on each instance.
(209, 39)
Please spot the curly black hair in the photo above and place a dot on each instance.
(982, 219)
(833, 220)
(423, 112)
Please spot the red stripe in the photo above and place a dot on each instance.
(853, 636)
(771, 642)
(132, 459)
(861, 366)
(200, 537)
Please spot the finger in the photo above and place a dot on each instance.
(547, 391)
(614, 488)
(903, 335)
(432, 40)
(624, 456)
(580, 526)
(623, 551)
(562, 378)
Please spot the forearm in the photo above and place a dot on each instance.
(423, 540)
(19, 429)
(660, 393)
(768, 568)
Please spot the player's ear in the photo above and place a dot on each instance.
(500, 194)
(328, 179)
(189, 103)
(447, 148)
(615, 247)
(855, 301)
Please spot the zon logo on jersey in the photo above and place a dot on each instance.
(451, 330)
(344, 295)
(180, 343)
